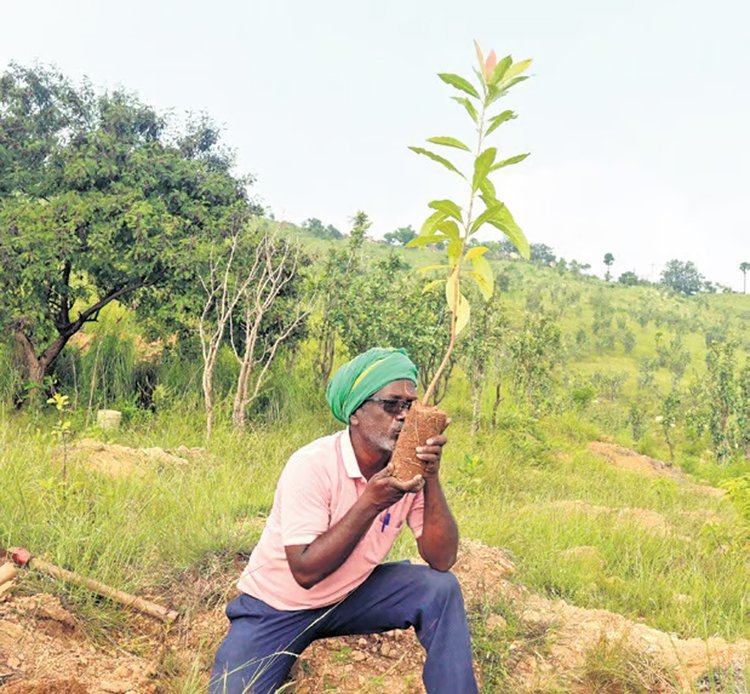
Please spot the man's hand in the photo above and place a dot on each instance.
(431, 453)
(384, 490)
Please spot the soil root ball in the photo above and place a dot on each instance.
(421, 423)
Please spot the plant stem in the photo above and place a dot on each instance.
(457, 270)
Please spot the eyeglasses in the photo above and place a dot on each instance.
(392, 406)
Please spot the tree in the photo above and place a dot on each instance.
(608, 260)
(317, 229)
(744, 267)
(542, 254)
(480, 355)
(629, 278)
(99, 198)
(333, 286)
(402, 316)
(682, 277)
(401, 236)
(271, 311)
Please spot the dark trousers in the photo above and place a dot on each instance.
(263, 643)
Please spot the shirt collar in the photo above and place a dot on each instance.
(347, 454)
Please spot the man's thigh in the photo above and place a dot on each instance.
(394, 596)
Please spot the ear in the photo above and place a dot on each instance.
(354, 419)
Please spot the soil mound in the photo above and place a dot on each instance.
(117, 461)
(626, 459)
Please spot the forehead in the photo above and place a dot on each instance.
(403, 388)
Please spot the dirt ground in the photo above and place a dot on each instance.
(45, 647)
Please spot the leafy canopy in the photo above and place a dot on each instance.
(99, 196)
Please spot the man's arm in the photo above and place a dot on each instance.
(311, 563)
(438, 544)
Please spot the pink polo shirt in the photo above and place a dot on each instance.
(318, 485)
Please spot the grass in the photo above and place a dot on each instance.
(138, 532)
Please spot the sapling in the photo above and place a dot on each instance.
(454, 225)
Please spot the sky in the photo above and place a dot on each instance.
(637, 115)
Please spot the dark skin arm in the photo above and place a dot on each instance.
(311, 563)
(438, 544)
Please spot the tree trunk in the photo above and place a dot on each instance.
(37, 367)
(496, 404)
(477, 390)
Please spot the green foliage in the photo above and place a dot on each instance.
(628, 278)
(317, 229)
(454, 225)
(386, 307)
(682, 277)
(535, 354)
(100, 196)
(401, 236)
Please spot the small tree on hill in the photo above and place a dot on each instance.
(608, 260)
(744, 267)
(401, 236)
(628, 278)
(682, 277)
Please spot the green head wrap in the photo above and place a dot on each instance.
(364, 375)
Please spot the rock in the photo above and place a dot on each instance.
(385, 649)
(359, 656)
(115, 686)
(13, 662)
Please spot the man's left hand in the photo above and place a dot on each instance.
(430, 455)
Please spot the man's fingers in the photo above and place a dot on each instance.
(413, 485)
(387, 471)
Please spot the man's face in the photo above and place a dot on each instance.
(379, 428)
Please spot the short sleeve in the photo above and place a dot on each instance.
(415, 517)
(305, 503)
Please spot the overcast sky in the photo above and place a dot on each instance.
(637, 116)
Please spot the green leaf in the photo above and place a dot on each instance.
(431, 285)
(468, 106)
(459, 83)
(430, 268)
(450, 208)
(505, 85)
(450, 229)
(482, 166)
(489, 195)
(463, 309)
(430, 224)
(504, 221)
(486, 216)
(500, 69)
(483, 276)
(437, 158)
(516, 69)
(454, 251)
(448, 142)
(426, 240)
(475, 252)
(497, 121)
(508, 162)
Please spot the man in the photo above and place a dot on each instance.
(337, 511)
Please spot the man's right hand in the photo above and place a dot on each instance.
(384, 490)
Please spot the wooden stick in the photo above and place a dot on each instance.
(7, 572)
(22, 557)
(145, 606)
(6, 588)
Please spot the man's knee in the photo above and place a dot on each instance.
(440, 585)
